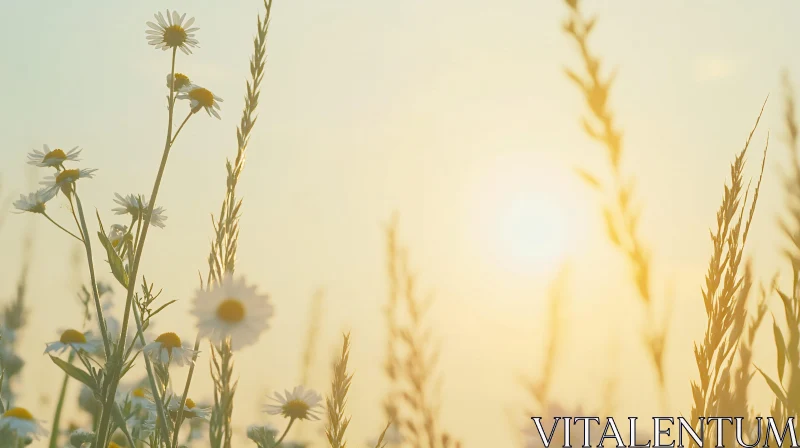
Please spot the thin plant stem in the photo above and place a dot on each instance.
(59, 407)
(186, 390)
(291, 422)
(102, 435)
(74, 216)
(174, 137)
(99, 308)
(157, 397)
(62, 228)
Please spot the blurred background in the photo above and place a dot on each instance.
(456, 116)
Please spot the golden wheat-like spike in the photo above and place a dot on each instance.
(337, 400)
(412, 400)
(724, 296)
(621, 214)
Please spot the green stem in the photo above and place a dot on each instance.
(157, 397)
(114, 376)
(62, 228)
(284, 433)
(98, 308)
(186, 390)
(59, 407)
(181, 127)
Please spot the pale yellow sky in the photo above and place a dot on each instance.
(455, 114)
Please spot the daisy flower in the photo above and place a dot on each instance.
(137, 206)
(200, 98)
(190, 408)
(172, 32)
(116, 234)
(34, 202)
(181, 81)
(299, 404)
(64, 179)
(232, 309)
(72, 338)
(263, 435)
(20, 422)
(168, 348)
(54, 158)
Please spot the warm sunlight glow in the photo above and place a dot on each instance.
(525, 213)
(531, 231)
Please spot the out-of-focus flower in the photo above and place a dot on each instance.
(137, 207)
(116, 234)
(72, 338)
(190, 409)
(168, 348)
(232, 309)
(88, 402)
(263, 435)
(80, 436)
(54, 158)
(34, 202)
(299, 404)
(181, 81)
(200, 98)
(64, 179)
(172, 32)
(20, 422)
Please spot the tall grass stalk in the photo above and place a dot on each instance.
(786, 385)
(337, 423)
(725, 291)
(222, 257)
(412, 401)
(620, 212)
(540, 389)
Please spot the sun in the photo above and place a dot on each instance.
(531, 230)
(527, 215)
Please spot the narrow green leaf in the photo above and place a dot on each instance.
(117, 268)
(74, 372)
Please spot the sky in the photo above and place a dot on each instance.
(455, 115)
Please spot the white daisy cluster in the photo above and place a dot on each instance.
(62, 180)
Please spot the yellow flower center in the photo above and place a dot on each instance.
(113, 445)
(72, 337)
(204, 97)
(55, 154)
(138, 392)
(190, 403)
(174, 36)
(169, 341)
(68, 176)
(181, 80)
(20, 413)
(230, 311)
(296, 409)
